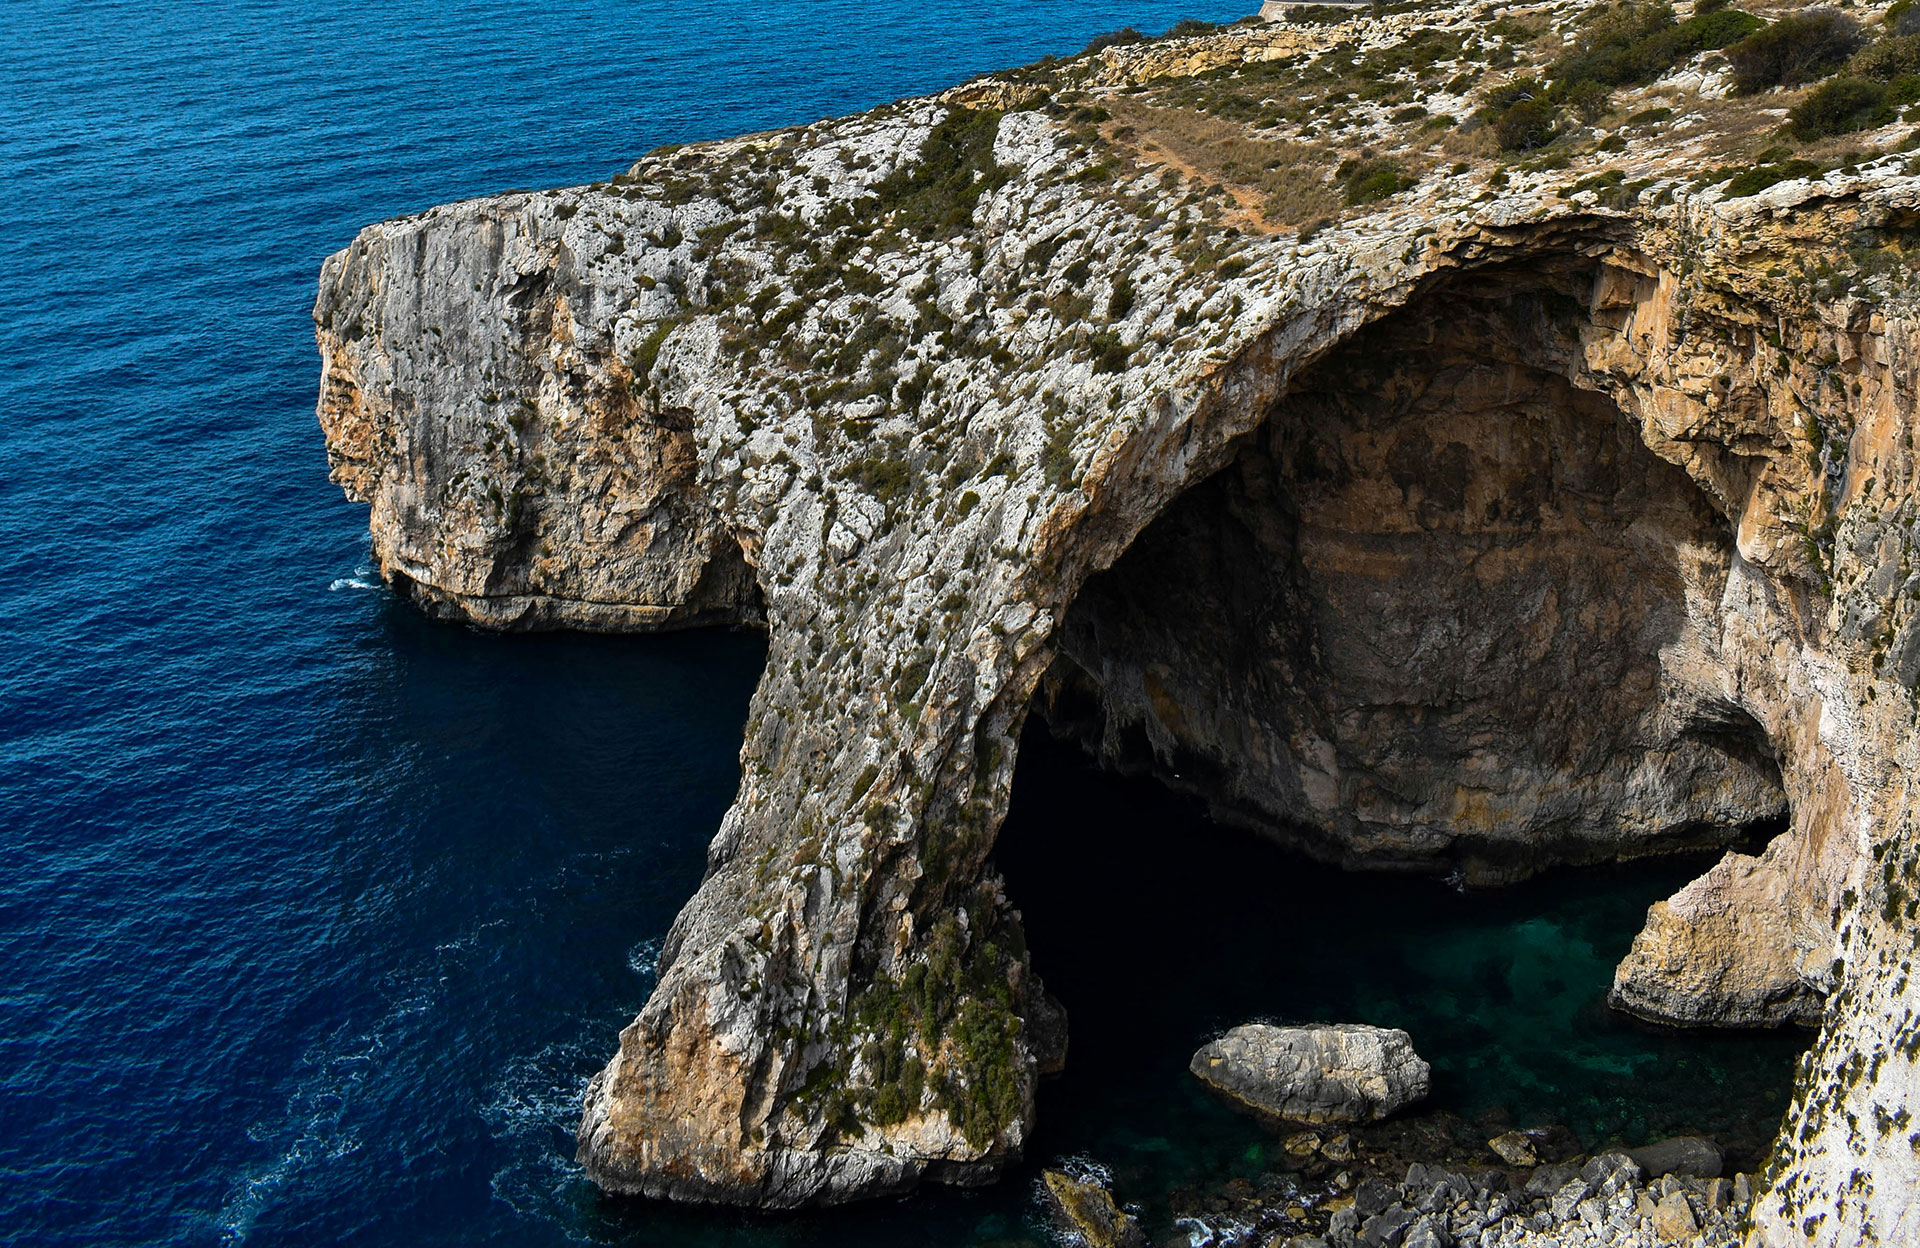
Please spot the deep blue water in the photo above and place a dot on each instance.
(315, 916)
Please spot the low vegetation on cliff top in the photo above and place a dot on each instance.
(1278, 119)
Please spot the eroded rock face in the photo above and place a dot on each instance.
(1087, 1209)
(911, 379)
(477, 399)
(1445, 608)
(1346, 1072)
(1725, 951)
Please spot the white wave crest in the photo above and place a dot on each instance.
(644, 958)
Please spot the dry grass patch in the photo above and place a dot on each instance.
(1276, 182)
(1472, 143)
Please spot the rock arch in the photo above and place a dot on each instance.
(846, 1007)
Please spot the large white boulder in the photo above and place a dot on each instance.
(1346, 1072)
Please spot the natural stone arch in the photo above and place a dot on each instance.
(869, 806)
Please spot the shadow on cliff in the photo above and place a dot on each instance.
(1444, 609)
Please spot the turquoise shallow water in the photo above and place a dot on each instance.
(1158, 929)
(315, 917)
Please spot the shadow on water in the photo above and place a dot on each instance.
(1158, 929)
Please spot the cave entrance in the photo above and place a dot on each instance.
(1443, 611)
(1443, 615)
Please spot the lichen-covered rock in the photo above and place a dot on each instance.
(1346, 1072)
(926, 388)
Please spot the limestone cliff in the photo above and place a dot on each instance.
(1434, 506)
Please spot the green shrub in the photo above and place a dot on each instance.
(886, 479)
(936, 195)
(1902, 18)
(1887, 59)
(1420, 52)
(647, 354)
(1369, 182)
(1110, 355)
(1188, 26)
(1527, 124)
(1634, 42)
(1800, 47)
(1319, 14)
(1760, 177)
(1589, 99)
(1841, 106)
(1112, 39)
(1599, 182)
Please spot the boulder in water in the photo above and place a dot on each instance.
(1345, 1072)
(1689, 1155)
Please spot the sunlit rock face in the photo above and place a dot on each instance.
(514, 476)
(1542, 525)
(1444, 611)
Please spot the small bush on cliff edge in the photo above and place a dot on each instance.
(1760, 177)
(1112, 39)
(1841, 106)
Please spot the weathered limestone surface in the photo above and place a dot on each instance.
(1344, 1072)
(1088, 1211)
(513, 476)
(1728, 950)
(903, 384)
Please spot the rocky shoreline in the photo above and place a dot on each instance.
(1422, 1182)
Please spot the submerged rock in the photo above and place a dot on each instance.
(1347, 1072)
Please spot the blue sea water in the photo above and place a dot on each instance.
(315, 916)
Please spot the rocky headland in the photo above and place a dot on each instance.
(1460, 440)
